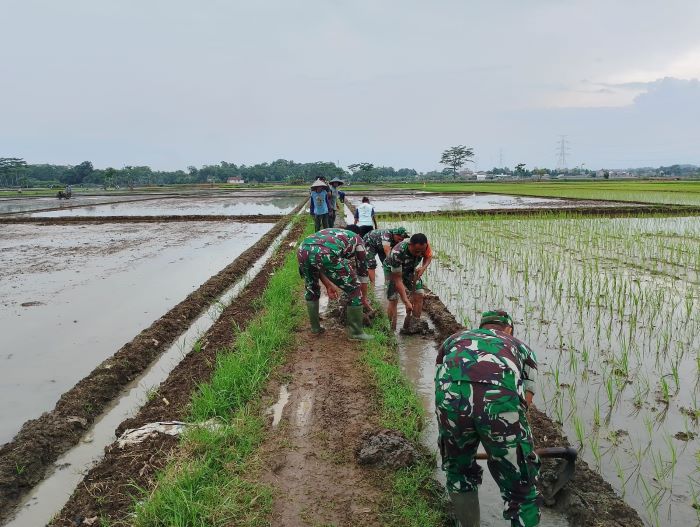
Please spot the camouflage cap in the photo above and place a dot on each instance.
(496, 316)
(400, 231)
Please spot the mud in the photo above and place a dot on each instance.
(588, 500)
(25, 459)
(107, 491)
(68, 220)
(387, 449)
(310, 458)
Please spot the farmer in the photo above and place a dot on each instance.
(335, 200)
(379, 243)
(403, 275)
(364, 217)
(320, 199)
(326, 256)
(484, 383)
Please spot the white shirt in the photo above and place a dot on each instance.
(364, 215)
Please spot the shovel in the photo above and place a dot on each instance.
(564, 473)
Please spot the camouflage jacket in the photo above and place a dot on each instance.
(378, 238)
(400, 259)
(339, 243)
(488, 356)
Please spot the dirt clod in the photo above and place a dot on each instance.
(415, 326)
(387, 449)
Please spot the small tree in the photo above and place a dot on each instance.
(455, 158)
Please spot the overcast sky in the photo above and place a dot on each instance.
(171, 83)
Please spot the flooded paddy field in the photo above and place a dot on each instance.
(195, 205)
(610, 307)
(18, 205)
(74, 294)
(425, 202)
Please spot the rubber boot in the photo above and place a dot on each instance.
(466, 508)
(355, 331)
(312, 307)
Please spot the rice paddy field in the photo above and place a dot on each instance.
(611, 307)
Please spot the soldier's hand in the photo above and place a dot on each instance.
(419, 272)
(332, 293)
(409, 306)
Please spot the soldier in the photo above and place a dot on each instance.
(325, 256)
(379, 242)
(403, 275)
(484, 383)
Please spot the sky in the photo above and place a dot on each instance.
(173, 83)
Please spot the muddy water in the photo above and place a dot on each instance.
(15, 205)
(426, 203)
(51, 494)
(417, 360)
(194, 205)
(73, 295)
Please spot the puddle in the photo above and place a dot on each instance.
(427, 203)
(277, 408)
(91, 289)
(184, 206)
(417, 361)
(49, 496)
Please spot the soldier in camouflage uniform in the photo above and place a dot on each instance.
(484, 383)
(403, 275)
(326, 256)
(379, 242)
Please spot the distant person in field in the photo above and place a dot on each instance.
(379, 242)
(331, 256)
(364, 217)
(335, 200)
(403, 269)
(320, 200)
(484, 384)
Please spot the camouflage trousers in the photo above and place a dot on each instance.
(407, 279)
(472, 413)
(337, 270)
(372, 254)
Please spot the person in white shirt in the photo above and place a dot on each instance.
(364, 217)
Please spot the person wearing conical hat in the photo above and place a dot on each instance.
(484, 383)
(320, 204)
(335, 200)
(379, 242)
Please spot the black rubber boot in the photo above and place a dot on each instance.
(355, 331)
(466, 508)
(312, 307)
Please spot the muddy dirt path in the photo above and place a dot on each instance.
(588, 500)
(309, 458)
(25, 460)
(107, 490)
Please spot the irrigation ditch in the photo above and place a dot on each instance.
(27, 458)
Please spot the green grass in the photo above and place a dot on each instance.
(207, 484)
(414, 499)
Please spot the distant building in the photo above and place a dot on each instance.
(235, 180)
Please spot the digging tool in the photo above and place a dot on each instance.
(566, 469)
(409, 313)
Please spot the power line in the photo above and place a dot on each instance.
(562, 151)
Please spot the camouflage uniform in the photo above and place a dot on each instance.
(480, 384)
(328, 251)
(374, 242)
(400, 260)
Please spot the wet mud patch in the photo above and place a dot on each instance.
(310, 458)
(587, 500)
(25, 460)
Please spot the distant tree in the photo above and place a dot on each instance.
(455, 158)
(362, 171)
(12, 169)
(78, 173)
(606, 175)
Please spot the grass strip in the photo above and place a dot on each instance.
(414, 499)
(206, 485)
